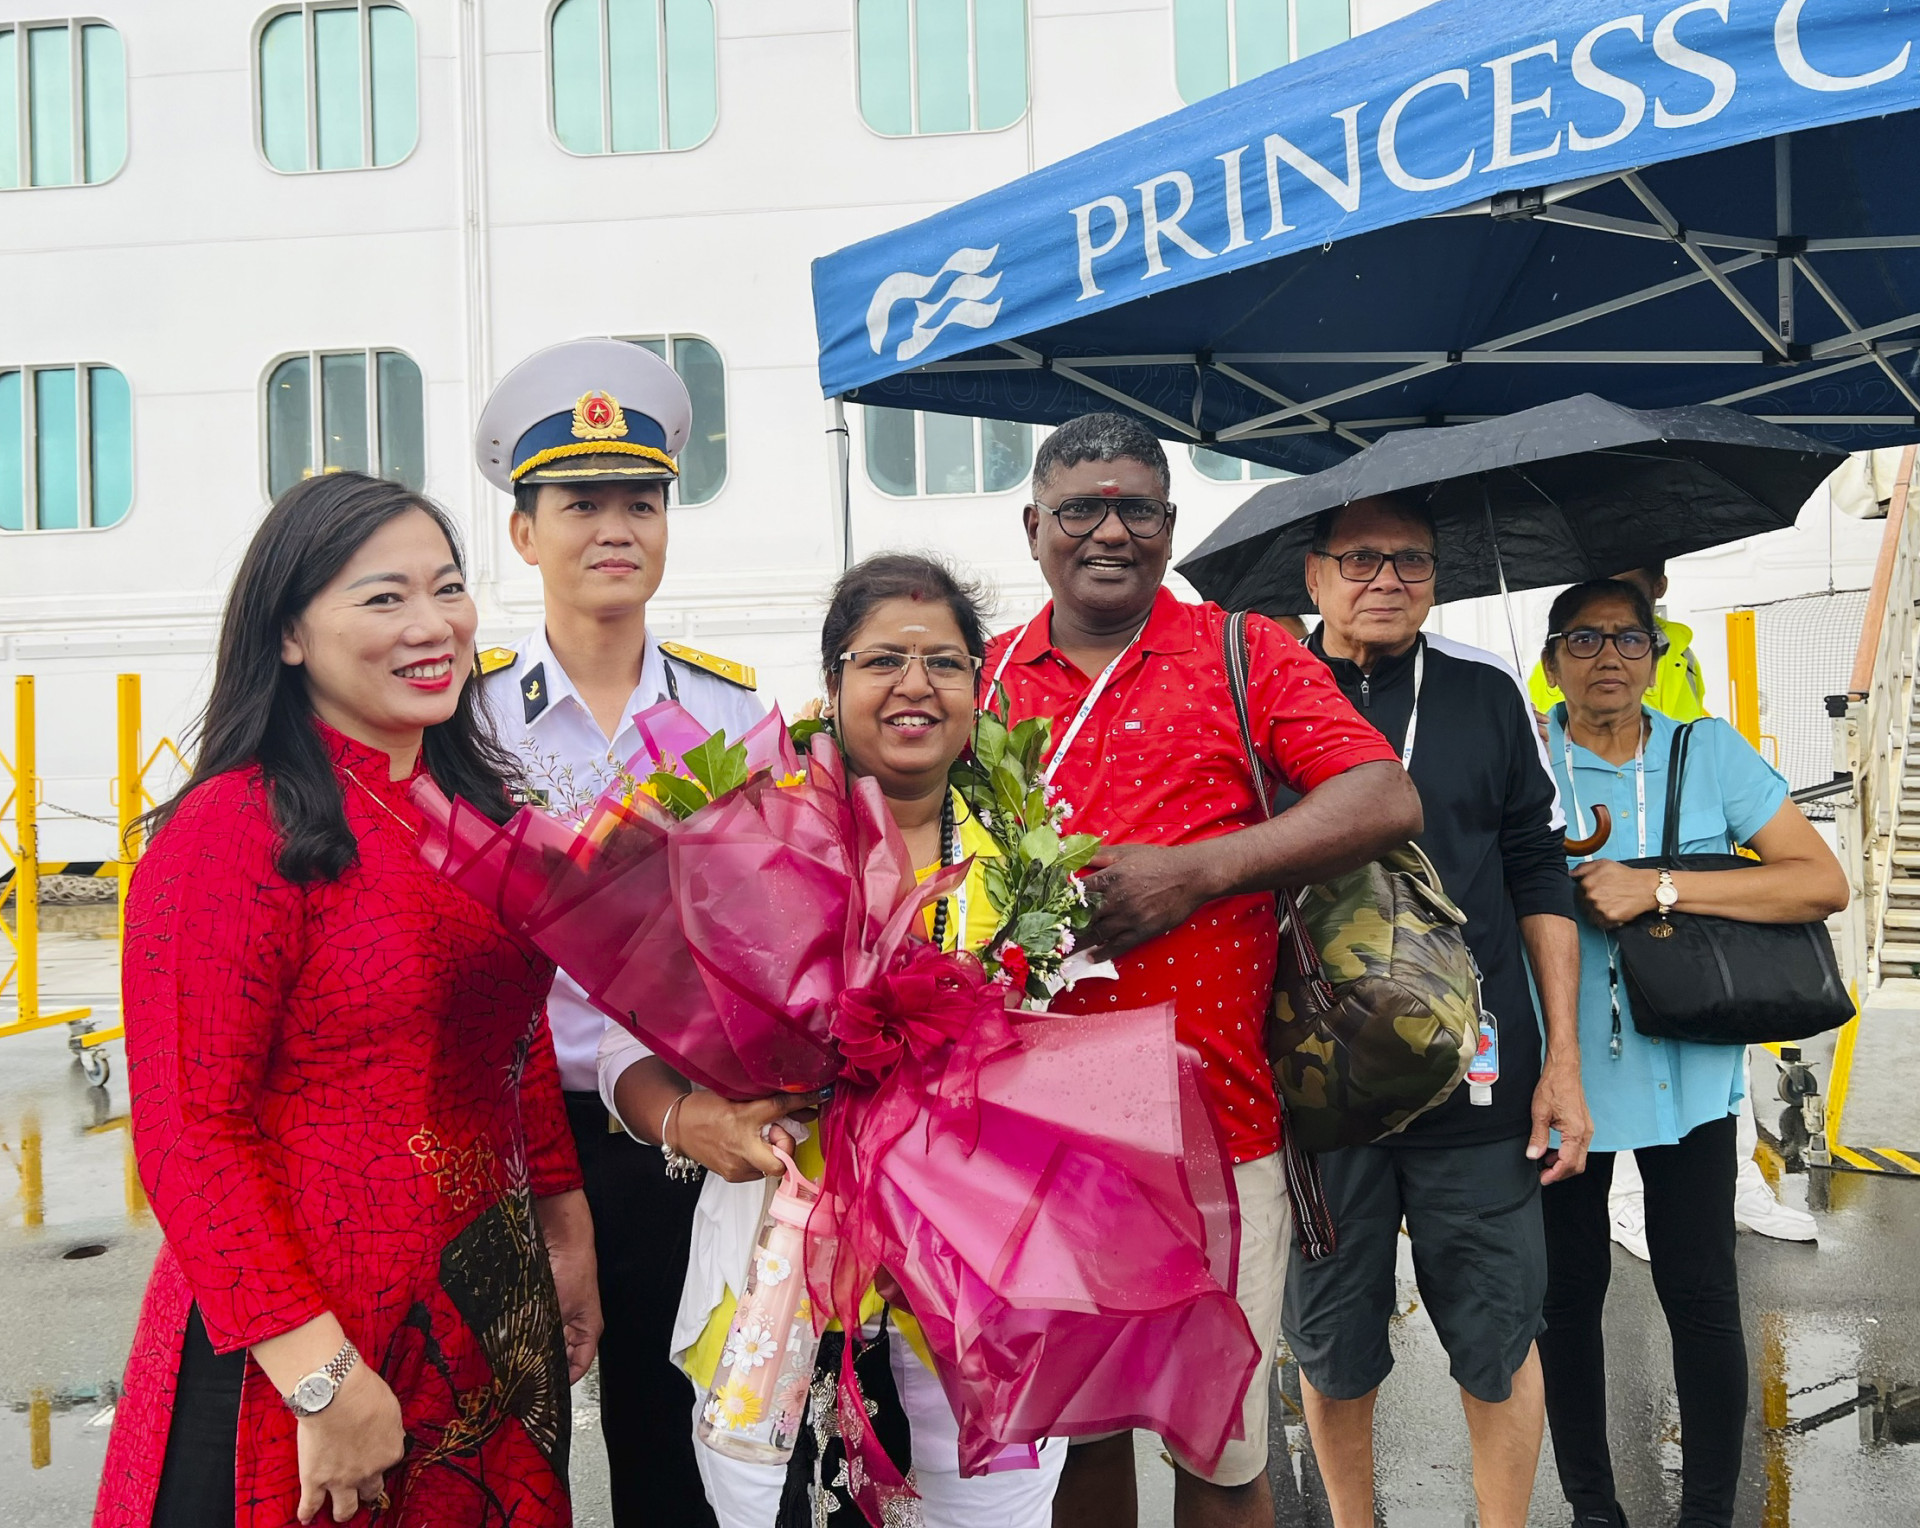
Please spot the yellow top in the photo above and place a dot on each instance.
(1677, 690)
(982, 923)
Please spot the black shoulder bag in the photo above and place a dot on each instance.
(1723, 981)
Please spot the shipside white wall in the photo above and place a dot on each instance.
(198, 266)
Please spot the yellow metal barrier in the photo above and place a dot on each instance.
(24, 853)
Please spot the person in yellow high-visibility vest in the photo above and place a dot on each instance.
(1678, 690)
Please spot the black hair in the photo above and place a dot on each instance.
(893, 576)
(1570, 602)
(1100, 438)
(1402, 504)
(260, 712)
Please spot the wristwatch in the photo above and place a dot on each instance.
(316, 1392)
(1666, 895)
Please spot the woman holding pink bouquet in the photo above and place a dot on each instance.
(901, 649)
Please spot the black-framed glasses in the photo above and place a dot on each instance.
(944, 671)
(1363, 565)
(1081, 517)
(1585, 642)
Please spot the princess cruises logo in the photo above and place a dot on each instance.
(937, 301)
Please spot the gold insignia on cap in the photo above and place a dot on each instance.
(598, 416)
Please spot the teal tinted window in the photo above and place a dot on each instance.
(110, 449)
(50, 105)
(394, 73)
(56, 448)
(1233, 469)
(103, 77)
(576, 76)
(289, 424)
(66, 448)
(13, 461)
(9, 111)
(632, 76)
(41, 68)
(343, 411)
(283, 91)
(703, 459)
(911, 453)
(338, 86)
(366, 413)
(942, 66)
(403, 414)
(1217, 43)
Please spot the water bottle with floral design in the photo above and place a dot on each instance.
(759, 1394)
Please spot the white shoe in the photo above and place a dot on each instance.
(1629, 1225)
(1757, 1210)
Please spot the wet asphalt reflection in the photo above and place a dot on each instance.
(1833, 1333)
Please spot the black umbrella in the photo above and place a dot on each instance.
(1567, 491)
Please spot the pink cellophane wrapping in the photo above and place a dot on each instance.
(1046, 1194)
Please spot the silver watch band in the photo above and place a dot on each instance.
(333, 1372)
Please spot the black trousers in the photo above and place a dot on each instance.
(1690, 1235)
(196, 1481)
(643, 1233)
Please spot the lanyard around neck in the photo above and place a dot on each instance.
(1086, 706)
(1639, 788)
(1413, 717)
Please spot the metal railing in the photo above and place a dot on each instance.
(1870, 738)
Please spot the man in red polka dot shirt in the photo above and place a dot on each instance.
(1147, 754)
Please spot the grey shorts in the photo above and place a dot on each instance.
(1479, 1254)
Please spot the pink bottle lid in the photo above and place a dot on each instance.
(794, 1199)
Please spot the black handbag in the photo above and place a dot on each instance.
(1722, 981)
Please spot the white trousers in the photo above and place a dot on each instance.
(748, 1495)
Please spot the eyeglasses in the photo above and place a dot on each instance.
(1585, 642)
(1080, 518)
(1363, 565)
(944, 671)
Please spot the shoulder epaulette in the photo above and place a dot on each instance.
(494, 659)
(721, 668)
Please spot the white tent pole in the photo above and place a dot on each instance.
(838, 472)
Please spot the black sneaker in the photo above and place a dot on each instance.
(1601, 1518)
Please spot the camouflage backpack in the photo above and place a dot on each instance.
(1376, 1007)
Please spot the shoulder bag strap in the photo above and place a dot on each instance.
(1306, 1194)
(1234, 652)
(1676, 779)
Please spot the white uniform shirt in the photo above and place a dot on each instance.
(540, 717)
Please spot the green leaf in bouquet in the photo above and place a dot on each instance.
(999, 888)
(1029, 741)
(1041, 843)
(716, 766)
(989, 739)
(679, 795)
(1077, 849)
(1009, 792)
(803, 733)
(1038, 933)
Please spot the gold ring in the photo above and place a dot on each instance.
(381, 1502)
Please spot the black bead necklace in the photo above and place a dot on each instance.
(946, 859)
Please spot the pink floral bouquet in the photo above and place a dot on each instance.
(1046, 1194)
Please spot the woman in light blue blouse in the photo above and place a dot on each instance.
(1672, 1103)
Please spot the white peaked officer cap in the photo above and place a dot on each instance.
(587, 411)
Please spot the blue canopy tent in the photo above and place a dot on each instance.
(1461, 215)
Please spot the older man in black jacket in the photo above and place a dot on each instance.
(1466, 1176)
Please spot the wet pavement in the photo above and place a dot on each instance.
(1833, 1332)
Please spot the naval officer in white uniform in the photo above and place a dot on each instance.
(584, 435)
